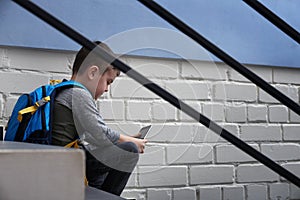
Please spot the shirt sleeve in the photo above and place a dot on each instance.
(88, 121)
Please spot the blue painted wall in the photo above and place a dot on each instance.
(230, 24)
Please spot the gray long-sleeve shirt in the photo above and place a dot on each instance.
(76, 113)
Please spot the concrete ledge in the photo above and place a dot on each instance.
(35, 172)
(95, 194)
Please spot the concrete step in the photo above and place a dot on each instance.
(40, 172)
(95, 194)
(43, 172)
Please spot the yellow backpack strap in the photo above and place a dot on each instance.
(75, 144)
(33, 108)
(54, 81)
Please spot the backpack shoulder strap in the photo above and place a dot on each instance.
(69, 84)
(65, 84)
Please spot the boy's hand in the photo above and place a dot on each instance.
(140, 143)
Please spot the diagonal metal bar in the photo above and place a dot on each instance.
(180, 25)
(80, 39)
(274, 19)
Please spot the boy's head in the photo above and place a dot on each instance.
(93, 72)
(86, 58)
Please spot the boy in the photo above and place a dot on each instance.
(110, 156)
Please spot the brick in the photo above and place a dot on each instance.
(132, 182)
(9, 106)
(278, 113)
(211, 174)
(285, 75)
(257, 113)
(213, 193)
(138, 110)
(127, 128)
(163, 194)
(12, 82)
(163, 111)
(263, 72)
(57, 76)
(159, 68)
(162, 176)
(193, 90)
(39, 60)
(184, 193)
(279, 191)
(153, 155)
(236, 113)
(134, 194)
(255, 192)
(294, 117)
(231, 154)
(294, 192)
(3, 58)
(1, 105)
(292, 167)
(128, 88)
(235, 92)
(205, 135)
(182, 154)
(281, 152)
(171, 133)
(290, 91)
(291, 132)
(255, 173)
(214, 111)
(260, 133)
(203, 70)
(233, 193)
(112, 109)
(185, 117)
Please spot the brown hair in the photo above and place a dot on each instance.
(84, 59)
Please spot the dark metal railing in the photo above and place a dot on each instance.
(274, 19)
(180, 25)
(42, 14)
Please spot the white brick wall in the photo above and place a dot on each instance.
(279, 191)
(255, 192)
(236, 113)
(185, 193)
(278, 113)
(162, 176)
(261, 132)
(233, 193)
(163, 194)
(247, 173)
(210, 193)
(235, 92)
(211, 174)
(183, 159)
(257, 113)
(10, 81)
(231, 154)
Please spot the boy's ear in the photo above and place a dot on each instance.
(93, 72)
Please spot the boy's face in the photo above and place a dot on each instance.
(105, 80)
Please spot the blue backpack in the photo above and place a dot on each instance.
(31, 119)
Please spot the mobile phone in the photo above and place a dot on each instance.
(144, 131)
